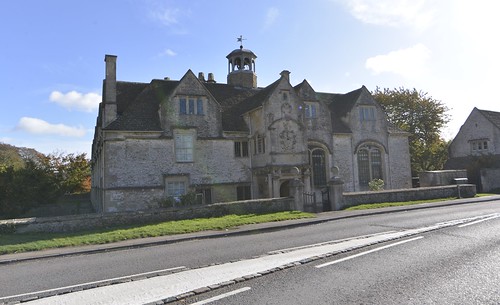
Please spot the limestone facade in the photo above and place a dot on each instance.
(236, 141)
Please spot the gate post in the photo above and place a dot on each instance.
(336, 190)
(297, 192)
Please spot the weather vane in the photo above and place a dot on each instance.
(240, 40)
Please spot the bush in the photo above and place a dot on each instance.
(187, 199)
(376, 185)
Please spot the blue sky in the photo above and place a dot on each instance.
(52, 53)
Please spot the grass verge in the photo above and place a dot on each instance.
(403, 203)
(393, 204)
(16, 243)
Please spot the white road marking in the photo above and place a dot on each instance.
(368, 252)
(170, 285)
(327, 242)
(493, 216)
(26, 295)
(222, 296)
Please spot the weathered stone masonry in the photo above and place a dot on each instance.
(236, 141)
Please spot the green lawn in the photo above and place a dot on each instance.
(403, 203)
(15, 243)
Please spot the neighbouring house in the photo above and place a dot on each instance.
(236, 141)
(476, 148)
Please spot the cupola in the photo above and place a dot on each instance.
(241, 67)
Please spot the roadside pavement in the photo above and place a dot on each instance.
(246, 229)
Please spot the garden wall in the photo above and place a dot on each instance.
(421, 193)
(97, 221)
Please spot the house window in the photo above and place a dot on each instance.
(310, 111)
(260, 144)
(199, 106)
(182, 105)
(479, 146)
(366, 113)
(318, 165)
(176, 189)
(241, 149)
(204, 195)
(243, 192)
(184, 143)
(369, 165)
(191, 105)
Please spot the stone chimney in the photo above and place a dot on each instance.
(109, 98)
(201, 76)
(285, 74)
(211, 78)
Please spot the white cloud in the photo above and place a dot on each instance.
(41, 127)
(87, 102)
(166, 16)
(410, 62)
(271, 16)
(413, 13)
(167, 52)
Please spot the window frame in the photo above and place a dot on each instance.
(310, 110)
(192, 104)
(184, 142)
(243, 192)
(204, 195)
(367, 113)
(370, 164)
(176, 186)
(260, 144)
(241, 149)
(479, 146)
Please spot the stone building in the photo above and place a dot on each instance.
(236, 141)
(476, 148)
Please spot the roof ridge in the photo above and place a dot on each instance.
(492, 116)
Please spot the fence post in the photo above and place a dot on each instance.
(297, 192)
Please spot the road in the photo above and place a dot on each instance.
(452, 263)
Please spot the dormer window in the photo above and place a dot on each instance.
(310, 110)
(194, 105)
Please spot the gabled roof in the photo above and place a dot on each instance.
(340, 105)
(229, 97)
(139, 109)
(256, 100)
(492, 116)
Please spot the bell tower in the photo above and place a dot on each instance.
(241, 67)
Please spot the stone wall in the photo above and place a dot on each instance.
(441, 177)
(490, 179)
(422, 193)
(98, 221)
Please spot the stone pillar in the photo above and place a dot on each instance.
(297, 192)
(335, 192)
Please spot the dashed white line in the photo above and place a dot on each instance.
(222, 296)
(367, 252)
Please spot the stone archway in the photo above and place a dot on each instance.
(285, 189)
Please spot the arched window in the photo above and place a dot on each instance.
(318, 165)
(369, 164)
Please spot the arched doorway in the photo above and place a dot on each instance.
(285, 189)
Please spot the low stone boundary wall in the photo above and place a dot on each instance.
(84, 222)
(420, 193)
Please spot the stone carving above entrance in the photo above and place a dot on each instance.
(287, 137)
